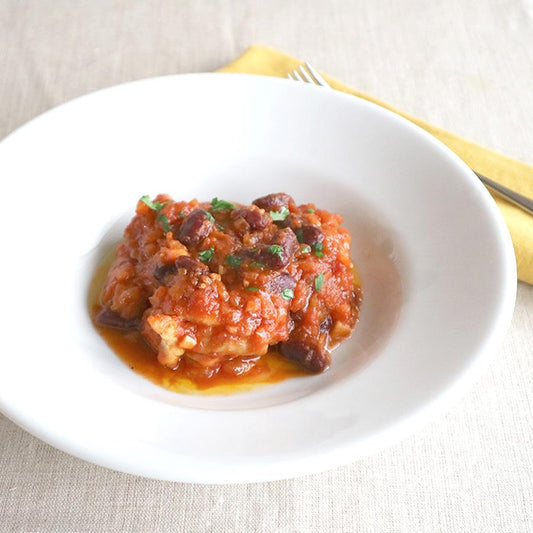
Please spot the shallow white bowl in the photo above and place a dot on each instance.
(435, 258)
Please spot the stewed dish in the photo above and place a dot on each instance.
(215, 289)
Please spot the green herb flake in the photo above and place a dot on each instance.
(164, 222)
(318, 249)
(220, 228)
(276, 249)
(250, 288)
(287, 294)
(234, 261)
(319, 281)
(209, 216)
(207, 255)
(181, 214)
(310, 210)
(282, 214)
(220, 205)
(155, 206)
(300, 235)
(257, 264)
(305, 249)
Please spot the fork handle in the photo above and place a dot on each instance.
(519, 200)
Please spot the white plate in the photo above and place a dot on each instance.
(435, 258)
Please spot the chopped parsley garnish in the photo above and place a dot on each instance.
(209, 216)
(305, 249)
(207, 255)
(300, 235)
(318, 249)
(220, 205)
(257, 264)
(250, 288)
(221, 228)
(164, 222)
(288, 294)
(156, 206)
(282, 214)
(310, 210)
(319, 281)
(276, 249)
(233, 261)
(181, 214)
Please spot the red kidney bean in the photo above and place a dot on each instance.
(253, 216)
(281, 282)
(309, 356)
(164, 270)
(288, 222)
(191, 265)
(288, 243)
(310, 235)
(273, 202)
(111, 319)
(195, 227)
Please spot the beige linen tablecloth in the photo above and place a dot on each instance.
(464, 65)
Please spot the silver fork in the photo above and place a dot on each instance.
(307, 74)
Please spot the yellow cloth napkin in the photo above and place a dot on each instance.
(506, 171)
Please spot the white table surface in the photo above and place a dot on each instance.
(465, 65)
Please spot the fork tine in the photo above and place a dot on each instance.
(297, 76)
(318, 78)
(305, 75)
(289, 76)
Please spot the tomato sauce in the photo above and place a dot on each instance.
(212, 296)
(134, 351)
